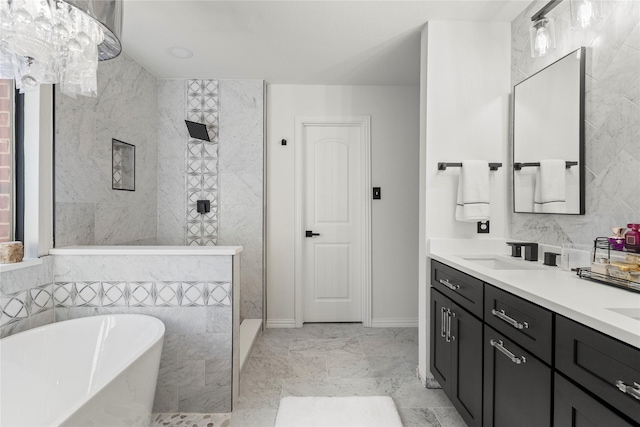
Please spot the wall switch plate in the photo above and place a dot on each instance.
(376, 193)
(483, 227)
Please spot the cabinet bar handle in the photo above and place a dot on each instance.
(449, 285)
(443, 320)
(448, 337)
(500, 346)
(513, 322)
(633, 391)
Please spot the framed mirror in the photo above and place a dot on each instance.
(548, 139)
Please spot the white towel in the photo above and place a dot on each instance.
(551, 187)
(473, 192)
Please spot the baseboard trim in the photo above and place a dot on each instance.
(281, 323)
(394, 323)
(427, 380)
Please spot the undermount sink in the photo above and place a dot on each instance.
(633, 313)
(501, 264)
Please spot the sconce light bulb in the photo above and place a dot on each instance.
(585, 14)
(542, 41)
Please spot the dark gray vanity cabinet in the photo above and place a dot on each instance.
(600, 364)
(456, 344)
(523, 364)
(517, 386)
(573, 407)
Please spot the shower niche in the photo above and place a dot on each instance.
(123, 166)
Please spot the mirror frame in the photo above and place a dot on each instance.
(581, 140)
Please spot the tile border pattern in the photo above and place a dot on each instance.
(21, 305)
(202, 163)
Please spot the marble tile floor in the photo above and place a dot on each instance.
(329, 360)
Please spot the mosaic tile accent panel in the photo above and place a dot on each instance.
(122, 294)
(202, 163)
(21, 305)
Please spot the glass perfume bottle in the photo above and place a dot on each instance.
(616, 242)
(632, 238)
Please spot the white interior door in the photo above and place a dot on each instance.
(333, 209)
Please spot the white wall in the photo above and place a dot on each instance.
(466, 116)
(394, 165)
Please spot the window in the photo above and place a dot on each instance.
(7, 201)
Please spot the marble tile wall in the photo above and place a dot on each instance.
(26, 298)
(172, 173)
(192, 295)
(240, 187)
(87, 210)
(239, 176)
(612, 122)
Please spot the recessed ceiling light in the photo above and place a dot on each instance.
(179, 52)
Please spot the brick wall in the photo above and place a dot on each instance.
(5, 160)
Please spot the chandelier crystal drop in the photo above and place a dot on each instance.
(54, 41)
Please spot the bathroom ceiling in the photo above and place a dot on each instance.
(294, 42)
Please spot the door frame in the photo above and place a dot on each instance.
(364, 122)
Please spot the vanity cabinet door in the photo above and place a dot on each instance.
(440, 344)
(517, 386)
(575, 408)
(466, 365)
(456, 356)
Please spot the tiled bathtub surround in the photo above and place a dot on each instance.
(142, 294)
(196, 296)
(612, 127)
(26, 298)
(26, 309)
(202, 163)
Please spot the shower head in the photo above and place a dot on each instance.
(197, 130)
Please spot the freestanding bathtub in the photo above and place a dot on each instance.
(93, 371)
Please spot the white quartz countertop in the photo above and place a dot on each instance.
(147, 250)
(607, 309)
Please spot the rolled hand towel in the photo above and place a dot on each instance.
(551, 187)
(473, 192)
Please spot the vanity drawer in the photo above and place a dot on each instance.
(601, 364)
(575, 408)
(527, 324)
(463, 289)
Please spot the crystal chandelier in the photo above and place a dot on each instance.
(55, 41)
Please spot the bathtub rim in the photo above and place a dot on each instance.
(120, 369)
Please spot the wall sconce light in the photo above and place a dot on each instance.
(584, 14)
(542, 36)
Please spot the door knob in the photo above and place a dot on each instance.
(310, 233)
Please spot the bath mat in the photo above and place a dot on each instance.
(353, 411)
